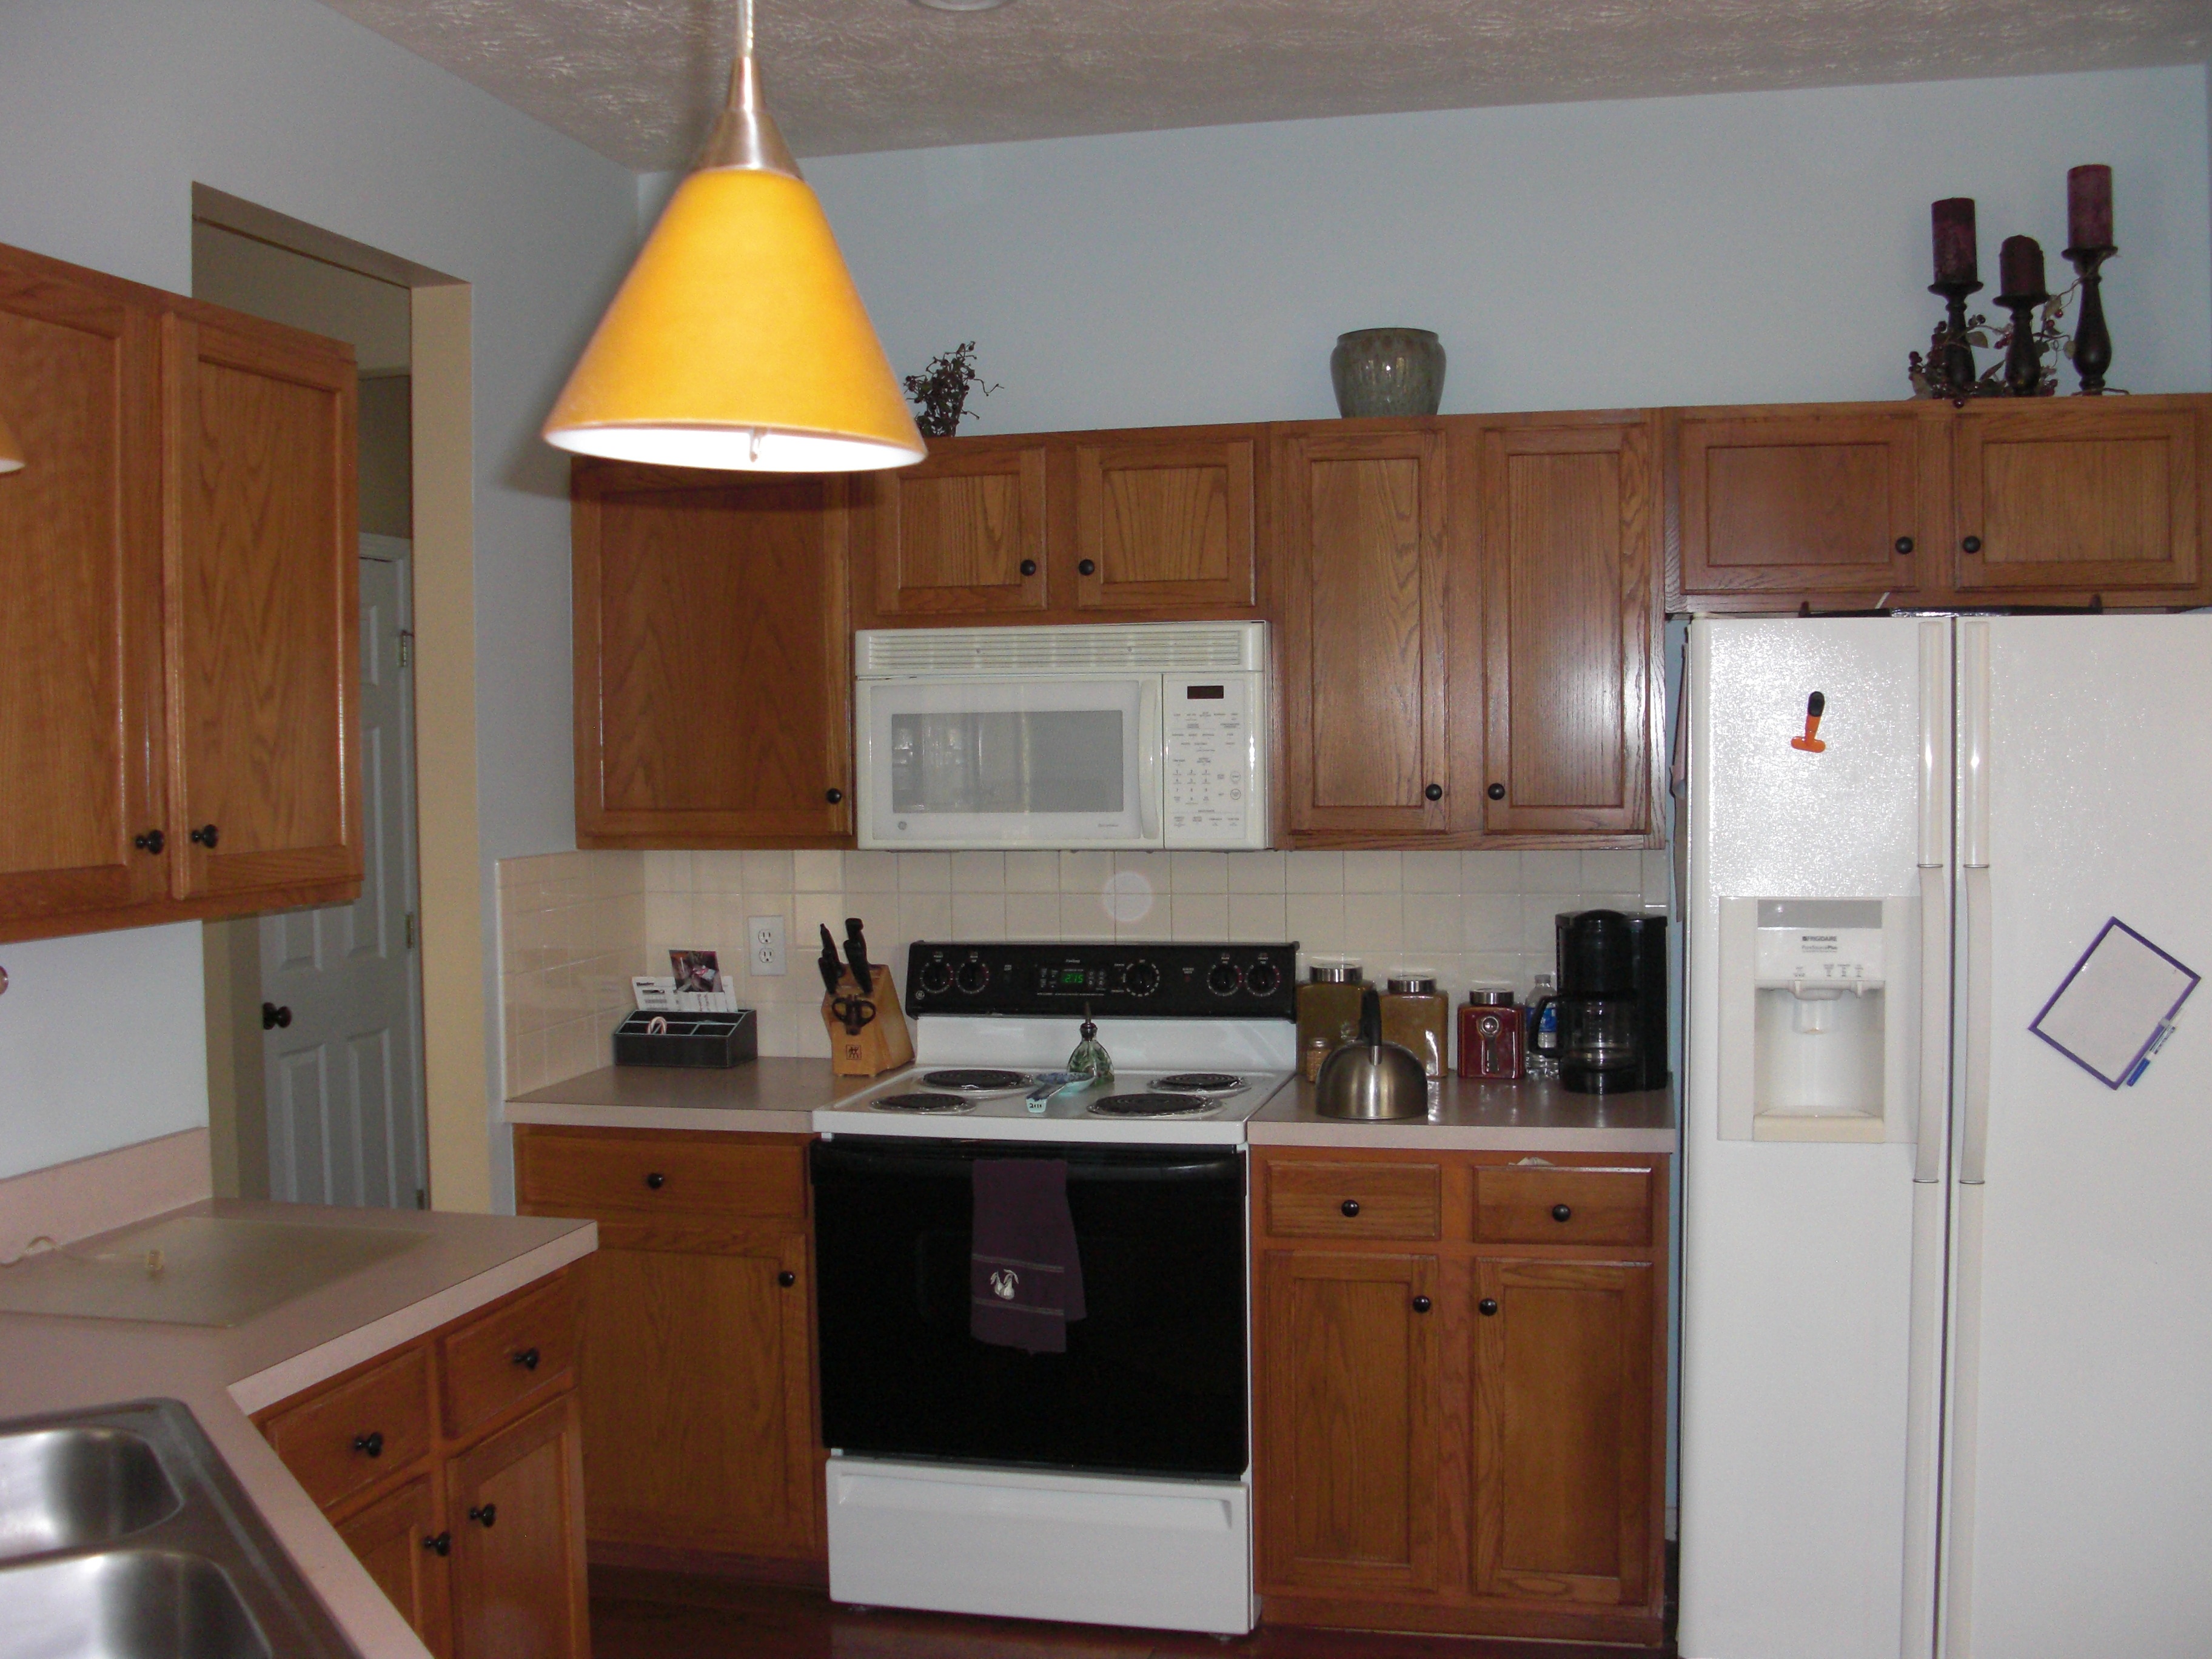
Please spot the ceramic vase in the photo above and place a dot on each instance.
(1388, 371)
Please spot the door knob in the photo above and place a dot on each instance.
(370, 1445)
(1087, 567)
(1487, 1306)
(486, 1516)
(204, 837)
(1350, 1206)
(1496, 791)
(528, 1360)
(1434, 791)
(439, 1543)
(787, 1278)
(152, 841)
(1422, 1304)
(272, 1016)
(1563, 1213)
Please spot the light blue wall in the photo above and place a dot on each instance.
(1745, 247)
(110, 110)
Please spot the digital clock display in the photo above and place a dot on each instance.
(1071, 976)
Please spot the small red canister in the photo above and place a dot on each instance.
(1490, 1037)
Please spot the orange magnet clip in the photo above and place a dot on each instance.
(1810, 743)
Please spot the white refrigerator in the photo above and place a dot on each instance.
(1947, 1350)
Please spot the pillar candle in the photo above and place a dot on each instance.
(1956, 256)
(2020, 263)
(2089, 207)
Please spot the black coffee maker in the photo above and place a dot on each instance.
(1612, 1002)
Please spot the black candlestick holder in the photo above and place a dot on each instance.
(1951, 372)
(2023, 365)
(2092, 341)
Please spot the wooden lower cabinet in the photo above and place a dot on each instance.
(1451, 1435)
(453, 1469)
(698, 1385)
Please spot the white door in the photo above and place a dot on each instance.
(2079, 1519)
(342, 986)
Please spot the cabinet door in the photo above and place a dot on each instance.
(698, 1390)
(962, 533)
(1163, 523)
(2099, 494)
(1350, 1385)
(402, 1540)
(1361, 591)
(263, 602)
(1565, 1371)
(713, 665)
(79, 632)
(1568, 621)
(514, 1509)
(1773, 508)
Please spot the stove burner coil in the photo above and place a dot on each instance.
(1200, 1083)
(977, 1080)
(940, 1103)
(1154, 1105)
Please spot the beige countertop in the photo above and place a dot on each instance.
(1465, 1115)
(766, 1094)
(55, 1363)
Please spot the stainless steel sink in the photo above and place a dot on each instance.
(66, 1489)
(128, 1604)
(124, 1536)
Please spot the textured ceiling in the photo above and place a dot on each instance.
(638, 79)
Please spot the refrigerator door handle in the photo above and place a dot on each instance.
(1932, 1121)
(1974, 1098)
(1934, 744)
(1974, 744)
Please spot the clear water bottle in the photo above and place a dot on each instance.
(1543, 1027)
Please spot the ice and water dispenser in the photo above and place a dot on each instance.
(1818, 1019)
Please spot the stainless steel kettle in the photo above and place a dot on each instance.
(1372, 1079)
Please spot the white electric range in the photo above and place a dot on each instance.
(1110, 1484)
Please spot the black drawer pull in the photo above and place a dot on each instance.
(1350, 1206)
(152, 841)
(487, 1515)
(439, 1543)
(1487, 1306)
(1496, 791)
(1029, 567)
(204, 837)
(787, 1278)
(1434, 791)
(528, 1360)
(1422, 1304)
(833, 796)
(1904, 545)
(1087, 567)
(1562, 1212)
(370, 1445)
(656, 1181)
(1972, 544)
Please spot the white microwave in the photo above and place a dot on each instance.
(1094, 735)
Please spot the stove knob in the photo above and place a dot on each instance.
(937, 976)
(972, 975)
(1223, 978)
(1262, 978)
(1141, 979)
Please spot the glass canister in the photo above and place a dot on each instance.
(1490, 1037)
(1415, 1015)
(1329, 1012)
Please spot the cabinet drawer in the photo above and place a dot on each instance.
(1355, 1201)
(584, 1175)
(1519, 1206)
(525, 1348)
(339, 1442)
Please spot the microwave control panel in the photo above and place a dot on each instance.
(1216, 783)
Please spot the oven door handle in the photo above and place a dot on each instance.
(833, 1158)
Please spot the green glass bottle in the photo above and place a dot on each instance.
(1090, 1058)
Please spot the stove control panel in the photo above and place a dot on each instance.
(1244, 982)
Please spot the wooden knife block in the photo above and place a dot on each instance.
(880, 1045)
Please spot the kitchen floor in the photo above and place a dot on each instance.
(661, 1615)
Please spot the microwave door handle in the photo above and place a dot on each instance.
(1152, 738)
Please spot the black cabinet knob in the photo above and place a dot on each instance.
(1496, 791)
(656, 1181)
(1087, 567)
(1029, 567)
(370, 1445)
(1351, 1206)
(152, 841)
(204, 837)
(272, 1016)
(1972, 544)
(1905, 543)
(1422, 1304)
(1487, 1306)
(484, 1516)
(787, 1278)
(528, 1360)
(1434, 791)
(439, 1543)
(1563, 1213)
(833, 796)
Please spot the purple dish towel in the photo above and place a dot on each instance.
(1025, 1279)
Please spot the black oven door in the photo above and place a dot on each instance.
(1153, 1380)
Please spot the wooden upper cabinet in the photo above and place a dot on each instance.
(1360, 589)
(2098, 493)
(1349, 1404)
(1847, 501)
(959, 534)
(1568, 625)
(80, 565)
(713, 654)
(1565, 1366)
(1163, 522)
(264, 587)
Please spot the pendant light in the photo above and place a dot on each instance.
(11, 448)
(737, 339)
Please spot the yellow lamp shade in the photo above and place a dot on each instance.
(11, 448)
(737, 341)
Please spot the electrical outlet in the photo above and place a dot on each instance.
(764, 944)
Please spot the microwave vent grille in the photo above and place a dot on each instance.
(1089, 647)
